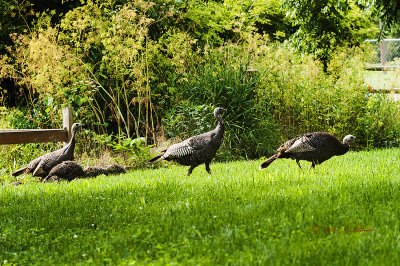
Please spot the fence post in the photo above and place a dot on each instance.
(382, 47)
(68, 120)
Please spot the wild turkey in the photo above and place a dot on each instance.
(42, 165)
(315, 147)
(93, 171)
(197, 149)
(115, 169)
(70, 170)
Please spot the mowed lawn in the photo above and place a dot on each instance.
(346, 211)
(383, 79)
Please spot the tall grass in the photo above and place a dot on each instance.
(250, 130)
(238, 215)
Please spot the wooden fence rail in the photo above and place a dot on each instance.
(18, 136)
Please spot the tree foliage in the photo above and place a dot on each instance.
(325, 25)
(387, 10)
(328, 24)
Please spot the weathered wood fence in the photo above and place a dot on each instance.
(18, 136)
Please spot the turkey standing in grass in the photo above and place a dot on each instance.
(42, 165)
(197, 149)
(315, 147)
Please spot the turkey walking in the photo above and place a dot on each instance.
(315, 147)
(197, 149)
(42, 165)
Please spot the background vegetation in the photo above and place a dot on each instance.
(142, 73)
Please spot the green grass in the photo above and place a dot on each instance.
(238, 215)
(383, 79)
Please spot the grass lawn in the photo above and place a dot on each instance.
(383, 79)
(345, 212)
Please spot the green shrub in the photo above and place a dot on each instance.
(302, 98)
(379, 126)
(222, 81)
(188, 119)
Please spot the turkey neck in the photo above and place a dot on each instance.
(71, 145)
(344, 148)
(220, 126)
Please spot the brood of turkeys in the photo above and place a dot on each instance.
(197, 149)
(315, 147)
(42, 165)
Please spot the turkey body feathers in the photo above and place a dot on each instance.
(195, 150)
(49, 160)
(198, 149)
(315, 147)
(29, 168)
(68, 170)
